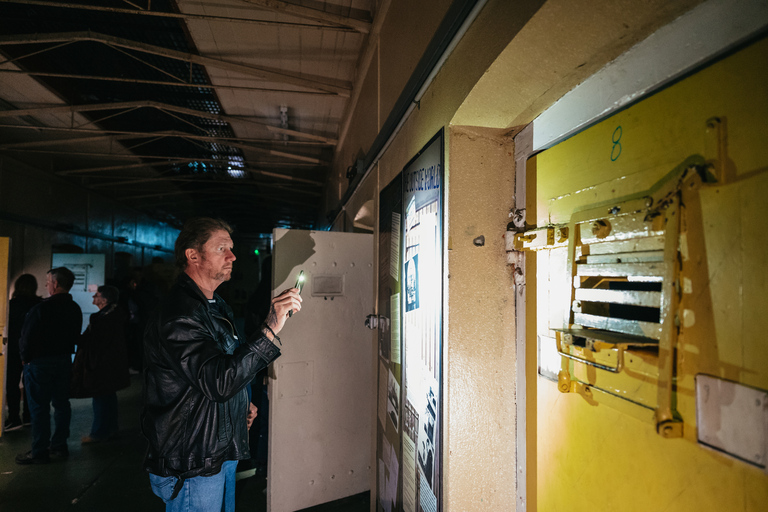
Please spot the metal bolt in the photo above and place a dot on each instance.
(601, 228)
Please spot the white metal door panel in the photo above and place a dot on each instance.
(320, 388)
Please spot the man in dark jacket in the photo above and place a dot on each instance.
(196, 408)
(48, 339)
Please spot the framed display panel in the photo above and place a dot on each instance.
(422, 312)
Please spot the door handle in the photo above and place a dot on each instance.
(376, 322)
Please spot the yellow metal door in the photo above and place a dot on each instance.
(649, 269)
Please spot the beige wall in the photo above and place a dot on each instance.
(479, 357)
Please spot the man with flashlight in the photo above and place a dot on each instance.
(196, 409)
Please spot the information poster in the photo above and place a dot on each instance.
(422, 306)
(390, 389)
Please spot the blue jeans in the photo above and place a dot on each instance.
(46, 381)
(104, 416)
(201, 493)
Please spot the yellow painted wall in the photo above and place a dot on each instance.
(597, 453)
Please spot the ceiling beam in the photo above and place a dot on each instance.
(233, 182)
(162, 159)
(180, 16)
(151, 165)
(256, 172)
(361, 26)
(89, 131)
(138, 135)
(217, 193)
(159, 82)
(307, 160)
(163, 107)
(318, 83)
(276, 210)
(174, 161)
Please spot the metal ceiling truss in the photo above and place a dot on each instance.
(363, 26)
(192, 163)
(176, 161)
(167, 160)
(109, 133)
(160, 82)
(292, 190)
(332, 21)
(161, 158)
(216, 195)
(129, 106)
(338, 87)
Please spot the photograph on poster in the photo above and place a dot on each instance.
(427, 499)
(427, 439)
(394, 327)
(412, 283)
(393, 401)
(388, 476)
(394, 250)
(410, 437)
(383, 384)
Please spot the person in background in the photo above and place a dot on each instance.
(23, 299)
(196, 413)
(101, 363)
(48, 338)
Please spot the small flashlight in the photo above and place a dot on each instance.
(299, 285)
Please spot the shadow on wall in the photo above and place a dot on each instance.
(302, 247)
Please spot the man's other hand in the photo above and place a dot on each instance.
(252, 413)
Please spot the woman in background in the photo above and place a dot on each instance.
(24, 297)
(101, 363)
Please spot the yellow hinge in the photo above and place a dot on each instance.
(541, 238)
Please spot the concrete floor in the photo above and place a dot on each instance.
(108, 476)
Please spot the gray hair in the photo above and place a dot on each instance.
(110, 293)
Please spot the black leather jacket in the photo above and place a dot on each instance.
(196, 369)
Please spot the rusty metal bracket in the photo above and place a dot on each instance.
(613, 369)
(667, 424)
